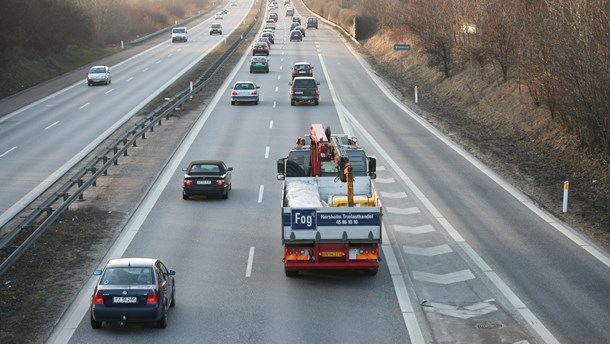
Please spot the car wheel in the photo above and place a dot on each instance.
(292, 102)
(88, 84)
(316, 102)
(291, 273)
(95, 324)
(185, 196)
(250, 71)
(267, 71)
(256, 102)
(162, 323)
(232, 102)
(225, 195)
(173, 304)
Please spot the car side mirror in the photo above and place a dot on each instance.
(97, 272)
(317, 83)
(172, 272)
(258, 87)
(229, 169)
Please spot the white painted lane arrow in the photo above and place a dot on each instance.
(427, 251)
(393, 194)
(414, 230)
(452, 277)
(466, 312)
(402, 211)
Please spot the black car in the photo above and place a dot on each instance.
(304, 89)
(293, 25)
(133, 290)
(312, 22)
(296, 20)
(296, 35)
(207, 177)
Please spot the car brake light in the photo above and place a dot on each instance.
(311, 72)
(220, 182)
(317, 91)
(253, 92)
(98, 298)
(234, 93)
(188, 182)
(152, 298)
(291, 91)
(294, 71)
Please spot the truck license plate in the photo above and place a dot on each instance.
(331, 254)
(130, 299)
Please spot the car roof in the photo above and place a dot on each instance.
(297, 31)
(305, 77)
(130, 262)
(213, 162)
(99, 67)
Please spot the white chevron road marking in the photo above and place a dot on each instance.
(402, 211)
(452, 277)
(385, 180)
(427, 251)
(393, 194)
(414, 230)
(466, 312)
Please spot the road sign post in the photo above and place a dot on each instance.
(402, 47)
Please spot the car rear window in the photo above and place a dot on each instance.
(305, 83)
(128, 276)
(209, 168)
(301, 67)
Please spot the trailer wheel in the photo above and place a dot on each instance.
(291, 273)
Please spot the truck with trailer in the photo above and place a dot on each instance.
(330, 211)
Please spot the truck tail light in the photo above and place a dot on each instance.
(291, 91)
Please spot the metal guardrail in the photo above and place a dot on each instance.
(32, 226)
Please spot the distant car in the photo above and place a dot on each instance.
(179, 34)
(233, 3)
(270, 36)
(302, 29)
(244, 91)
(293, 25)
(273, 16)
(296, 19)
(215, 28)
(296, 35)
(99, 75)
(312, 22)
(264, 39)
(302, 69)
(225, 10)
(218, 15)
(269, 30)
(260, 48)
(304, 89)
(133, 290)
(206, 177)
(259, 64)
(289, 11)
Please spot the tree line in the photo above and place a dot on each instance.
(558, 50)
(35, 28)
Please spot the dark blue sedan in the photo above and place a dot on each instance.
(133, 290)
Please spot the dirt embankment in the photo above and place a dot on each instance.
(498, 123)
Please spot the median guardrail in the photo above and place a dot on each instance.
(22, 236)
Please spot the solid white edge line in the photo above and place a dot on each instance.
(404, 301)
(529, 316)
(250, 261)
(65, 328)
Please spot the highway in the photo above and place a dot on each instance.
(467, 257)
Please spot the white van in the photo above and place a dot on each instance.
(179, 34)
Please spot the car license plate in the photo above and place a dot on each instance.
(302, 72)
(298, 92)
(128, 299)
(204, 182)
(331, 254)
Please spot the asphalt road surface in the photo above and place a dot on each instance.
(467, 258)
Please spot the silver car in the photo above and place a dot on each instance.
(244, 91)
(98, 75)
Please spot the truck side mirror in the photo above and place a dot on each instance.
(372, 165)
(281, 169)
